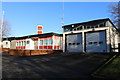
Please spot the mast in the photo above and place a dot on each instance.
(62, 18)
(1, 24)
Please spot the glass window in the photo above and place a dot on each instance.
(24, 43)
(96, 26)
(95, 42)
(78, 43)
(85, 27)
(88, 27)
(66, 30)
(100, 42)
(73, 43)
(41, 42)
(45, 42)
(6, 42)
(28, 42)
(92, 26)
(75, 29)
(80, 28)
(90, 43)
(69, 43)
(19, 43)
(101, 25)
(49, 41)
(113, 29)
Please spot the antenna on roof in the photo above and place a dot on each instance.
(62, 18)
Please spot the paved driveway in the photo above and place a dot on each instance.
(72, 65)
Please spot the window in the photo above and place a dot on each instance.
(90, 43)
(88, 27)
(41, 42)
(113, 29)
(80, 28)
(100, 42)
(49, 41)
(45, 42)
(78, 43)
(66, 30)
(28, 42)
(92, 26)
(6, 43)
(95, 42)
(73, 43)
(69, 43)
(19, 43)
(96, 26)
(24, 43)
(85, 27)
(101, 25)
(75, 29)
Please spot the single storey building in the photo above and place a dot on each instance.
(39, 41)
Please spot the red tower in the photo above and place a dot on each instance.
(39, 29)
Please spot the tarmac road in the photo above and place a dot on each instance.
(73, 65)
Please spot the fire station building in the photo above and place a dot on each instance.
(93, 36)
(39, 41)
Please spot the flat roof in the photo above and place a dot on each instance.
(90, 23)
(35, 35)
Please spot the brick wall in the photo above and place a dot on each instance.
(29, 52)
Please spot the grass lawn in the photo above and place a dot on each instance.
(112, 70)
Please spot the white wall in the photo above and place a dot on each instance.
(6, 44)
(30, 45)
(13, 44)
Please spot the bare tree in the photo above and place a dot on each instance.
(115, 14)
(6, 29)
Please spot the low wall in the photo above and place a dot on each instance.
(30, 52)
(5, 49)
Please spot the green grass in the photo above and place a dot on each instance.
(112, 70)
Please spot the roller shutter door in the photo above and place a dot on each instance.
(74, 43)
(96, 41)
